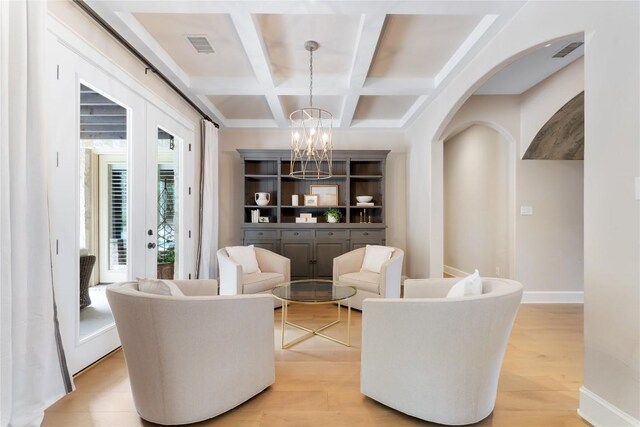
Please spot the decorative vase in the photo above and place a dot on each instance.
(332, 219)
(262, 199)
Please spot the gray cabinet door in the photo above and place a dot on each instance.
(325, 252)
(301, 254)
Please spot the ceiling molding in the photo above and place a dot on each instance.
(349, 84)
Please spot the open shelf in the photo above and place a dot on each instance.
(355, 173)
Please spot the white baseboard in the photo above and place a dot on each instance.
(601, 413)
(534, 297)
(553, 297)
(455, 272)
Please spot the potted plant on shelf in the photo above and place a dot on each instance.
(333, 215)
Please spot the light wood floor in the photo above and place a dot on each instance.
(317, 381)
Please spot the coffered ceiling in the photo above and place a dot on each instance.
(379, 63)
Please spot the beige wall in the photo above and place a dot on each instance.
(476, 186)
(612, 161)
(231, 190)
(550, 243)
(546, 250)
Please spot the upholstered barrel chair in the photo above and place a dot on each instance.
(378, 281)
(236, 278)
(438, 358)
(191, 354)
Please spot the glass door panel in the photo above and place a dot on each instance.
(103, 201)
(167, 204)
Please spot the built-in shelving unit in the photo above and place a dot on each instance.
(312, 246)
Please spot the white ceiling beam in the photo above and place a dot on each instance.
(220, 86)
(131, 30)
(222, 120)
(466, 46)
(256, 52)
(349, 106)
(168, 64)
(377, 124)
(252, 123)
(369, 33)
(414, 110)
(226, 86)
(406, 7)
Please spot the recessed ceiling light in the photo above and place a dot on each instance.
(547, 45)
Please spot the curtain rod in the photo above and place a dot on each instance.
(145, 61)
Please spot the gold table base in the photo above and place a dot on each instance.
(312, 332)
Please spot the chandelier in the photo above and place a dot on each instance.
(311, 146)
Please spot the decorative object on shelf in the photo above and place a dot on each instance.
(311, 145)
(255, 215)
(328, 195)
(364, 199)
(306, 217)
(333, 215)
(311, 200)
(263, 199)
(364, 204)
(263, 219)
(307, 220)
(294, 200)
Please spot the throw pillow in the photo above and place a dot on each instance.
(374, 257)
(246, 257)
(159, 287)
(470, 285)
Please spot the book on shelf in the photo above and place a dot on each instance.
(255, 215)
(364, 204)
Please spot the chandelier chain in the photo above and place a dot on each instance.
(311, 78)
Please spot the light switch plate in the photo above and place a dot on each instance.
(637, 187)
(526, 210)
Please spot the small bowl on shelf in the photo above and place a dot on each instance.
(364, 199)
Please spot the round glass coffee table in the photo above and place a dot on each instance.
(314, 291)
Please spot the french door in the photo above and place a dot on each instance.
(120, 200)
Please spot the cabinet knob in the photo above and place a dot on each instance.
(295, 233)
(151, 245)
(365, 233)
(330, 233)
(260, 233)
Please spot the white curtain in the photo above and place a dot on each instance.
(207, 266)
(33, 371)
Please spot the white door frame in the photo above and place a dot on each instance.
(66, 72)
(185, 260)
(66, 48)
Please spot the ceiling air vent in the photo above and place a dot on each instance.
(567, 49)
(200, 44)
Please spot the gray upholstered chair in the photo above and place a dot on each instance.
(275, 270)
(195, 356)
(438, 358)
(386, 284)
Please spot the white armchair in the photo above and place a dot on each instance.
(195, 356)
(346, 269)
(438, 358)
(275, 270)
